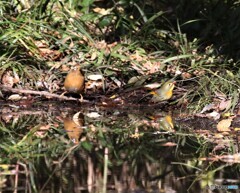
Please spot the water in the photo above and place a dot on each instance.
(68, 147)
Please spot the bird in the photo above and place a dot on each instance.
(74, 81)
(164, 93)
(74, 126)
(164, 122)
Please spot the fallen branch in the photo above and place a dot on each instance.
(33, 92)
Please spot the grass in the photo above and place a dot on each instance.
(120, 40)
(82, 32)
(43, 158)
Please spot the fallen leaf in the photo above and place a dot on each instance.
(134, 79)
(218, 136)
(41, 132)
(226, 115)
(117, 82)
(220, 95)
(95, 77)
(93, 115)
(224, 125)
(214, 115)
(113, 96)
(224, 104)
(186, 75)
(65, 68)
(8, 79)
(169, 144)
(102, 11)
(208, 107)
(94, 55)
(41, 44)
(75, 118)
(152, 85)
(15, 97)
(136, 135)
(235, 158)
(137, 80)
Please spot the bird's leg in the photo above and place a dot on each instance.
(63, 93)
(81, 98)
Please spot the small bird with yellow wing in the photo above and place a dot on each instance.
(164, 93)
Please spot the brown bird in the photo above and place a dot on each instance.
(74, 81)
(74, 126)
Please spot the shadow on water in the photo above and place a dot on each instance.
(71, 148)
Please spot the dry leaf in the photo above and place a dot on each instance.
(134, 79)
(75, 118)
(224, 104)
(101, 45)
(8, 79)
(41, 44)
(214, 115)
(208, 107)
(226, 115)
(42, 131)
(6, 117)
(218, 136)
(102, 11)
(95, 77)
(152, 67)
(137, 80)
(94, 55)
(224, 125)
(136, 135)
(235, 158)
(65, 68)
(15, 97)
(220, 95)
(93, 115)
(152, 85)
(116, 81)
(16, 78)
(169, 144)
(186, 75)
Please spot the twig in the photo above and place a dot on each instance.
(16, 178)
(105, 170)
(33, 92)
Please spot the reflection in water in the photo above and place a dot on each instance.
(167, 123)
(164, 122)
(73, 126)
(144, 163)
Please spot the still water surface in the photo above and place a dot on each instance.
(97, 149)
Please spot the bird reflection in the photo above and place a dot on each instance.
(163, 122)
(74, 126)
(166, 123)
